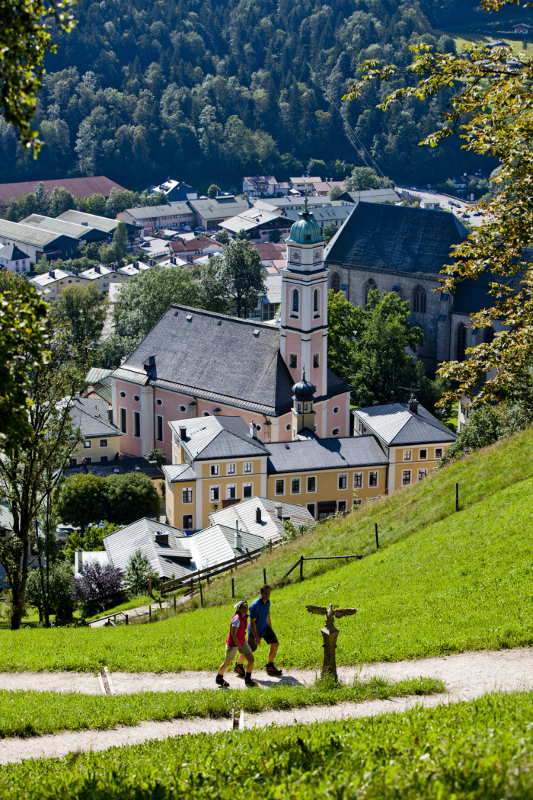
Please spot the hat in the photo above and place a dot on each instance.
(238, 605)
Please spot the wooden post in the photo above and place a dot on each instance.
(329, 636)
(233, 588)
(201, 594)
(264, 576)
(192, 586)
(150, 613)
(174, 602)
(126, 619)
(457, 497)
(376, 534)
(301, 568)
(270, 545)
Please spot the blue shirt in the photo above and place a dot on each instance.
(259, 611)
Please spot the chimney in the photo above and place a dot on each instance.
(251, 430)
(413, 404)
(149, 366)
(161, 538)
(258, 517)
(183, 434)
(51, 272)
(279, 512)
(237, 540)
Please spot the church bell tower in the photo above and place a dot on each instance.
(304, 304)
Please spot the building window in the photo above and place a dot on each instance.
(230, 469)
(358, 480)
(136, 423)
(87, 443)
(343, 481)
(406, 455)
(423, 454)
(316, 360)
(187, 522)
(72, 462)
(123, 421)
(247, 490)
(419, 300)
(342, 506)
(336, 410)
(280, 486)
(123, 394)
(311, 508)
(231, 491)
(214, 469)
(214, 493)
(438, 452)
(87, 460)
(248, 466)
(335, 431)
(136, 398)
(373, 478)
(187, 495)
(406, 477)
(316, 310)
(288, 426)
(103, 459)
(159, 402)
(335, 282)
(369, 287)
(295, 305)
(293, 361)
(422, 473)
(311, 484)
(103, 442)
(159, 428)
(295, 486)
(183, 409)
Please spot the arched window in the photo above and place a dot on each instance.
(370, 286)
(335, 282)
(460, 342)
(419, 299)
(295, 301)
(316, 309)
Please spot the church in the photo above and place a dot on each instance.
(196, 363)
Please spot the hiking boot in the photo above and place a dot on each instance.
(239, 670)
(272, 670)
(248, 680)
(221, 683)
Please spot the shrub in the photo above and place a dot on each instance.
(139, 575)
(99, 587)
(61, 591)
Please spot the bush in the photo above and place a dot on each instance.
(140, 576)
(99, 587)
(61, 591)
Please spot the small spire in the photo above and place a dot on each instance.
(303, 375)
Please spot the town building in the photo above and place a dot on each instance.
(210, 212)
(260, 186)
(174, 190)
(37, 242)
(400, 249)
(79, 188)
(197, 362)
(106, 225)
(263, 517)
(84, 234)
(190, 248)
(50, 284)
(259, 224)
(100, 438)
(102, 276)
(177, 215)
(13, 259)
(413, 440)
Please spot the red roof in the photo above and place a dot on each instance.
(192, 245)
(78, 187)
(269, 251)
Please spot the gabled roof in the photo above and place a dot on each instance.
(10, 252)
(35, 236)
(51, 276)
(174, 209)
(171, 560)
(214, 356)
(90, 415)
(395, 424)
(104, 224)
(175, 473)
(334, 453)
(222, 206)
(217, 544)
(252, 218)
(395, 239)
(58, 226)
(218, 437)
(78, 187)
(273, 514)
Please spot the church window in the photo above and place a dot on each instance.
(316, 309)
(159, 402)
(460, 342)
(295, 301)
(182, 409)
(369, 287)
(335, 282)
(336, 410)
(335, 431)
(419, 300)
(136, 398)
(159, 422)
(316, 360)
(293, 361)
(136, 423)
(123, 394)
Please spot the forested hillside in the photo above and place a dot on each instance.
(214, 89)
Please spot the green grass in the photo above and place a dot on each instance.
(35, 713)
(135, 602)
(463, 583)
(479, 750)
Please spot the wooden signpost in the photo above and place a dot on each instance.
(329, 636)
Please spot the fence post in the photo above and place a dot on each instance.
(201, 594)
(233, 588)
(457, 497)
(174, 602)
(150, 613)
(192, 586)
(126, 619)
(270, 545)
(264, 576)
(376, 534)
(301, 568)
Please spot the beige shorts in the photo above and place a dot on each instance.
(245, 649)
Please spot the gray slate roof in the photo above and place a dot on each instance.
(12, 253)
(90, 415)
(35, 236)
(175, 473)
(172, 560)
(394, 424)
(395, 239)
(219, 358)
(174, 209)
(217, 207)
(218, 437)
(59, 226)
(119, 466)
(104, 224)
(271, 525)
(334, 453)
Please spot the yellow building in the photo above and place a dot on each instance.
(218, 461)
(100, 437)
(413, 440)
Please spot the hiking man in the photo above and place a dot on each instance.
(236, 642)
(260, 627)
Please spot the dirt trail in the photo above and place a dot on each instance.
(466, 675)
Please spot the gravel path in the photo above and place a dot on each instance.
(466, 675)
